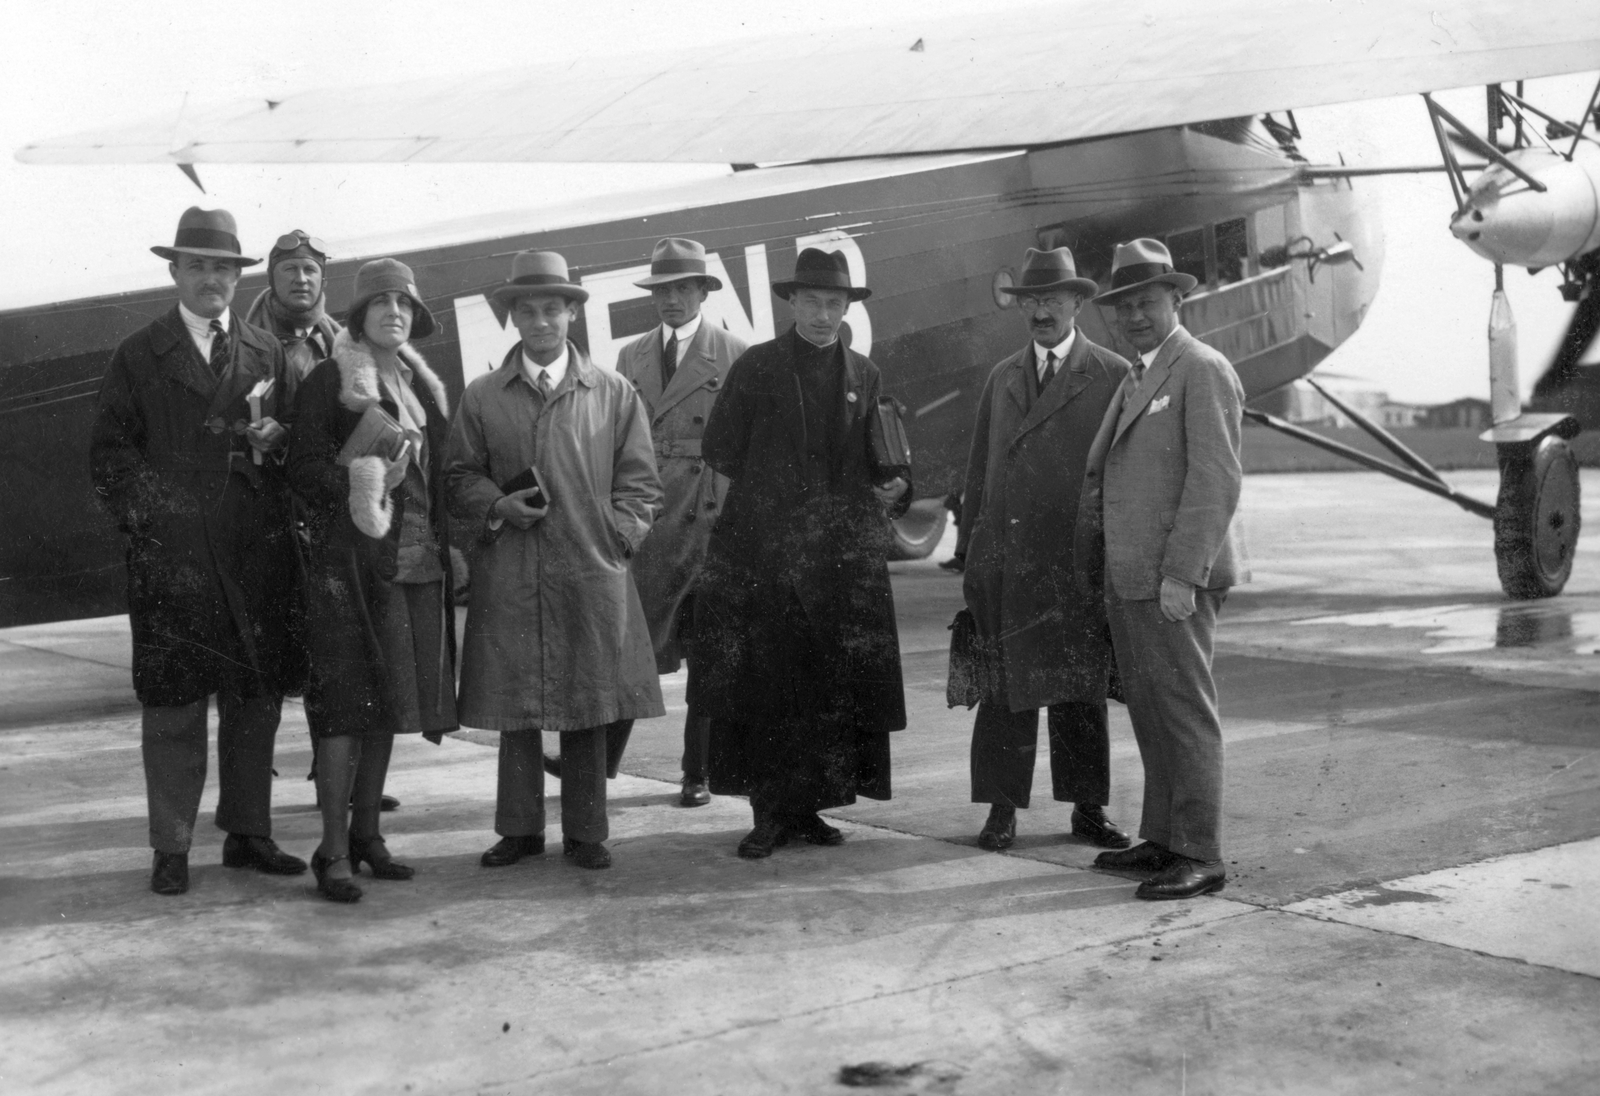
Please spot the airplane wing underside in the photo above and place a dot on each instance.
(1035, 76)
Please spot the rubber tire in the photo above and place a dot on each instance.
(1537, 518)
(916, 534)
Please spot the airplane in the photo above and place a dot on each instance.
(932, 165)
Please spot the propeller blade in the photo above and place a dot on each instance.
(1563, 370)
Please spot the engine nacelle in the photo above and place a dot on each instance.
(1507, 221)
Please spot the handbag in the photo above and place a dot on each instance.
(974, 663)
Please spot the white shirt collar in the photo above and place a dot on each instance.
(684, 333)
(1149, 358)
(556, 370)
(1060, 349)
(200, 328)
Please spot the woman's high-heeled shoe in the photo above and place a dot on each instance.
(376, 853)
(334, 890)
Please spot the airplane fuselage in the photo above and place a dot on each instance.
(934, 237)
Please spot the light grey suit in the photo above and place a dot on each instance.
(1164, 474)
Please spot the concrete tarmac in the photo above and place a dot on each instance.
(1413, 838)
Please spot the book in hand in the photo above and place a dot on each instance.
(522, 481)
(891, 452)
(259, 394)
(376, 435)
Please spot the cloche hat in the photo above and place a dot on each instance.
(383, 275)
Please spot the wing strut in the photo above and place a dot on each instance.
(1458, 180)
(1434, 485)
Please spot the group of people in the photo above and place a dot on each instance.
(288, 487)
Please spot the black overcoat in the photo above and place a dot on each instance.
(343, 563)
(211, 570)
(780, 539)
(1020, 518)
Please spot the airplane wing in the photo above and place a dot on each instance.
(1036, 75)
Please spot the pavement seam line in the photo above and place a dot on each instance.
(854, 1002)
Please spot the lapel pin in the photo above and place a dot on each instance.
(851, 396)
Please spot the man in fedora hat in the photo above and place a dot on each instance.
(1165, 464)
(1039, 609)
(293, 306)
(556, 638)
(192, 474)
(679, 369)
(796, 660)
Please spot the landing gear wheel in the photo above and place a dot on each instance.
(1536, 521)
(918, 531)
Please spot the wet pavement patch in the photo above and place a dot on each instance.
(1383, 896)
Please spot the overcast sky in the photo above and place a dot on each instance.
(73, 231)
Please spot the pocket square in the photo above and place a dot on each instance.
(1160, 404)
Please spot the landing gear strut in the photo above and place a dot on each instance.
(1536, 518)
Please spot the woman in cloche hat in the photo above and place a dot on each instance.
(367, 458)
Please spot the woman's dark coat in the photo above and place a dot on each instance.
(343, 562)
(779, 539)
(1023, 582)
(211, 571)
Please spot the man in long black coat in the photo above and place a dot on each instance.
(797, 662)
(192, 474)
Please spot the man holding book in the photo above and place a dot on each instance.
(550, 457)
(185, 454)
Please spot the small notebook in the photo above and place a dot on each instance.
(528, 477)
(376, 435)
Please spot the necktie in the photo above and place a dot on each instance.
(1138, 372)
(544, 383)
(669, 360)
(219, 348)
(1047, 370)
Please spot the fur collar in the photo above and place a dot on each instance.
(358, 375)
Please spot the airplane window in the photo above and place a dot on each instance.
(1189, 253)
(1233, 251)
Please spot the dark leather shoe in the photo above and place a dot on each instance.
(388, 803)
(169, 874)
(694, 793)
(1183, 878)
(552, 765)
(260, 853)
(1145, 857)
(813, 830)
(1090, 823)
(586, 854)
(508, 850)
(768, 834)
(1000, 830)
(376, 853)
(334, 890)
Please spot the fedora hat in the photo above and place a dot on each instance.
(818, 269)
(539, 272)
(1143, 262)
(1054, 269)
(208, 232)
(381, 276)
(676, 260)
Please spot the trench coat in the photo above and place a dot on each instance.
(345, 694)
(556, 636)
(211, 566)
(1019, 520)
(779, 540)
(668, 563)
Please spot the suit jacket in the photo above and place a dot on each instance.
(211, 568)
(1165, 472)
(1019, 514)
(667, 565)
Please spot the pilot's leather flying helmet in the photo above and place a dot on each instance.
(818, 269)
(1143, 262)
(676, 260)
(212, 233)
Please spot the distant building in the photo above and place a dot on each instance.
(1466, 413)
